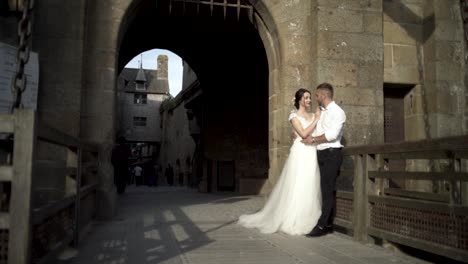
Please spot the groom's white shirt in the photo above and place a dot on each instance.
(331, 124)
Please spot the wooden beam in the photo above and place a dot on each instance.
(19, 245)
(445, 198)
(420, 205)
(345, 195)
(447, 144)
(440, 249)
(50, 209)
(7, 123)
(428, 154)
(76, 220)
(419, 175)
(85, 190)
(52, 167)
(6, 173)
(52, 135)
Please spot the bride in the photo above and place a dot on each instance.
(294, 205)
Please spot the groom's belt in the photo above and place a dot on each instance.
(329, 149)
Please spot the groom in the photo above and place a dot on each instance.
(327, 136)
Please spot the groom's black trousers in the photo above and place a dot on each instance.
(329, 162)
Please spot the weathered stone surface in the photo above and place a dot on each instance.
(350, 46)
(371, 5)
(405, 55)
(340, 20)
(447, 9)
(401, 12)
(448, 30)
(339, 73)
(372, 22)
(370, 76)
(408, 34)
(415, 127)
(402, 74)
(358, 96)
(388, 56)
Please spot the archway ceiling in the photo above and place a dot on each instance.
(200, 36)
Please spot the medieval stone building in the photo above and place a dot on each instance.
(398, 68)
(140, 95)
(181, 133)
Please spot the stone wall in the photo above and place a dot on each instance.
(58, 37)
(176, 144)
(350, 57)
(444, 87)
(424, 48)
(150, 110)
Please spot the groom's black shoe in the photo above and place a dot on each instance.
(318, 231)
(329, 229)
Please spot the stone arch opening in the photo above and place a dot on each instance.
(235, 59)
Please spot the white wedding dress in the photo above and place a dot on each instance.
(294, 205)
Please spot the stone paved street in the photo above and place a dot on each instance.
(174, 225)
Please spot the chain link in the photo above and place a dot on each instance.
(18, 84)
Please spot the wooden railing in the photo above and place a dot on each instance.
(45, 219)
(410, 193)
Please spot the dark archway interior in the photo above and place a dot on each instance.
(230, 61)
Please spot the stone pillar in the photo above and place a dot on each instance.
(350, 57)
(444, 88)
(98, 114)
(58, 38)
(291, 51)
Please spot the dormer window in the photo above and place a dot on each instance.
(140, 86)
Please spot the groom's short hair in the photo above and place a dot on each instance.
(327, 88)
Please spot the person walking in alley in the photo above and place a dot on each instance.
(138, 174)
(119, 160)
(169, 175)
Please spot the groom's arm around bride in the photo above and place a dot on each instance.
(329, 132)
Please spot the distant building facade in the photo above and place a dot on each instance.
(140, 95)
(180, 133)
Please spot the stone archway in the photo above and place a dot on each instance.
(288, 68)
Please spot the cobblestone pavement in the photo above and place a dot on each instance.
(175, 225)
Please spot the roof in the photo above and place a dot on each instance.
(141, 76)
(153, 84)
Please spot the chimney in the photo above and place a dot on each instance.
(162, 67)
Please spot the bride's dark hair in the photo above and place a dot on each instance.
(299, 94)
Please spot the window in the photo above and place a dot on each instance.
(140, 86)
(139, 99)
(139, 121)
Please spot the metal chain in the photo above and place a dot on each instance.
(18, 84)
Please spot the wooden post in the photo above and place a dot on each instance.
(463, 163)
(19, 246)
(360, 198)
(362, 188)
(76, 232)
